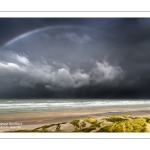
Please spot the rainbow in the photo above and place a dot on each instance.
(24, 35)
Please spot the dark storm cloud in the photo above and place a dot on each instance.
(92, 58)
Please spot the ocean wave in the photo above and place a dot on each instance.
(73, 104)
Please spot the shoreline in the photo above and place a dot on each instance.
(31, 120)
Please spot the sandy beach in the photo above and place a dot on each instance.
(31, 120)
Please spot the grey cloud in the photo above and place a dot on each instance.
(81, 78)
(23, 60)
(63, 78)
(105, 72)
(59, 64)
(25, 84)
(49, 87)
(29, 73)
(8, 69)
(10, 56)
(79, 39)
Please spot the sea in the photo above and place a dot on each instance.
(47, 105)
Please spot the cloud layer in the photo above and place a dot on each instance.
(22, 72)
(106, 57)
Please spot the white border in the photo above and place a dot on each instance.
(69, 144)
(74, 5)
(74, 14)
(75, 135)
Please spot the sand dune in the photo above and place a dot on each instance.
(37, 119)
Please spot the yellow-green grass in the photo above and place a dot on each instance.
(42, 128)
(91, 120)
(134, 125)
(92, 127)
(83, 124)
(115, 118)
(124, 123)
(75, 122)
(147, 119)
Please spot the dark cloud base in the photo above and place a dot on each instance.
(94, 92)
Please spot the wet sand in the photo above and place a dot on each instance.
(31, 120)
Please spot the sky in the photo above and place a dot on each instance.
(75, 58)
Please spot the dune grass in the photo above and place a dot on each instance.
(124, 123)
(75, 122)
(127, 116)
(42, 128)
(92, 127)
(147, 119)
(83, 124)
(134, 125)
(91, 120)
(115, 118)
